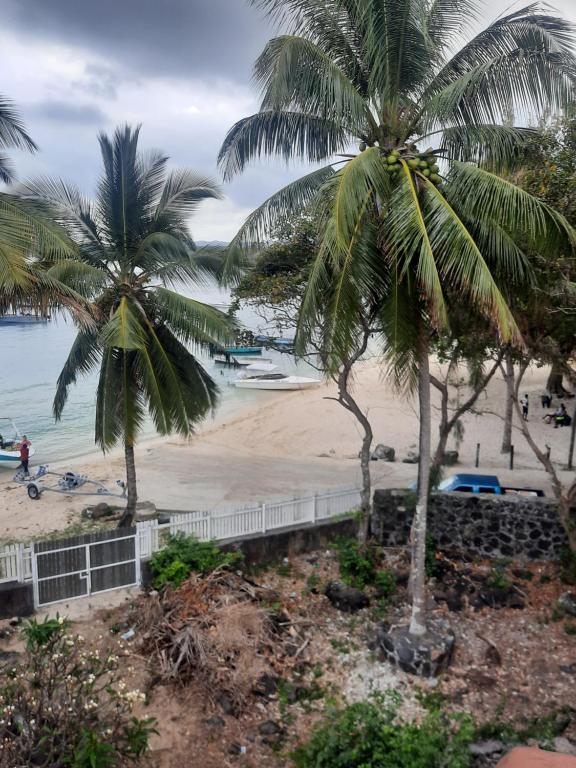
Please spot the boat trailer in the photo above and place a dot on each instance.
(68, 483)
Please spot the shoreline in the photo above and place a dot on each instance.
(285, 445)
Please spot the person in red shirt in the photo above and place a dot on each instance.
(24, 454)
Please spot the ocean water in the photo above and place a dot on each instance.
(32, 356)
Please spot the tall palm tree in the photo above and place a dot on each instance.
(133, 243)
(419, 208)
(26, 234)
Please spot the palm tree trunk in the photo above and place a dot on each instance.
(129, 513)
(418, 535)
(509, 412)
(555, 383)
(572, 442)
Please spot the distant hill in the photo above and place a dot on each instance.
(212, 243)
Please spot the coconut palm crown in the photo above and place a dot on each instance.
(133, 245)
(411, 127)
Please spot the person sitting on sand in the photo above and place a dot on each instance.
(560, 416)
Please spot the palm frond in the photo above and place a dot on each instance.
(289, 135)
(492, 146)
(182, 192)
(82, 358)
(193, 322)
(411, 247)
(295, 73)
(482, 194)
(290, 200)
(12, 130)
(125, 329)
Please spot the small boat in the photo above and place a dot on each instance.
(239, 362)
(259, 367)
(274, 342)
(277, 381)
(243, 350)
(22, 319)
(10, 443)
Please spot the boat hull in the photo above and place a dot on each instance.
(243, 350)
(9, 458)
(280, 385)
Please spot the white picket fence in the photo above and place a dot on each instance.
(234, 524)
(16, 562)
(220, 525)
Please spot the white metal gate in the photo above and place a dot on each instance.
(84, 566)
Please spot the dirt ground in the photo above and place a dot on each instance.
(510, 664)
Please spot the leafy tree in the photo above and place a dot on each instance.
(403, 220)
(133, 242)
(26, 234)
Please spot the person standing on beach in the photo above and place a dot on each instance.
(24, 454)
(524, 403)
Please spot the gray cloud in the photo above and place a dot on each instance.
(99, 81)
(175, 38)
(65, 112)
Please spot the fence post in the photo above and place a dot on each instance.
(137, 558)
(20, 563)
(511, 457)
(209, 526)
(314, 508)
(477, 455)
(263, 518)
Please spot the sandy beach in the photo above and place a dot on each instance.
(292, 444)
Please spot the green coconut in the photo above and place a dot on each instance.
(413, 163)
(362, 146)
(435, 178)
(426, 172)
(391, 159)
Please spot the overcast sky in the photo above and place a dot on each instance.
(180, 67)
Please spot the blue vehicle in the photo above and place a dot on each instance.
(483, 484)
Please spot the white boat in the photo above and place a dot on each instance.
(10, 438)
(276, 381)
(258, 367)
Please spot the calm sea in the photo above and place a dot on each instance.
(32, 356)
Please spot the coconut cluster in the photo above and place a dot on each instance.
(423, 163)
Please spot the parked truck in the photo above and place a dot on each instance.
(463, 483)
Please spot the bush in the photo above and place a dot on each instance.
(568, 566)
(64, 705)
(358, 568)
(370, 735)
(185, 554)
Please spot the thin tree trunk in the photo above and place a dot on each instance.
(509, 411)
(418, 565)
(572, 441)
(346, 399)
(129, 513)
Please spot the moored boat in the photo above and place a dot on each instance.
(10, 443)
(277, 381)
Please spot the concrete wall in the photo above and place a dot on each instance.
(16, 599)
(490, 526)
(272, 547)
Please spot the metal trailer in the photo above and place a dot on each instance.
(68, 483)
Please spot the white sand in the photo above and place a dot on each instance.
(294, 443)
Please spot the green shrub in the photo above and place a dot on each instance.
(65, 705)
(385, 583)
(357, 567)
(370, 735)
(184, 554)
(568, 566)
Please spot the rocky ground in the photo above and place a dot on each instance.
(262, 655)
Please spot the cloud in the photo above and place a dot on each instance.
(187, 39)
(66, 112)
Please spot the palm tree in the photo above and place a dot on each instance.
(26, 234)
(133, 243)
(419, 209)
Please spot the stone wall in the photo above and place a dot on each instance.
(491, 526)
